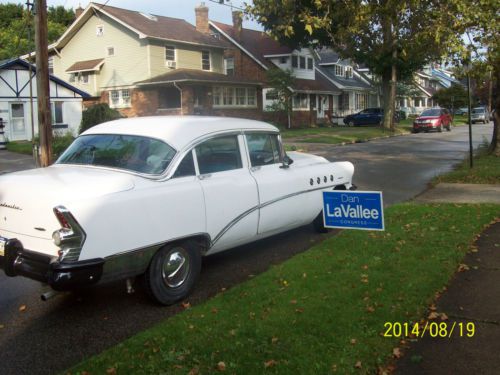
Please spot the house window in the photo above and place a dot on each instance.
(302, 62)
(271, 94)
(205, 60)
(348, 72)
(57, 112)
(301, 101)
(361, 101)
(310, 64)
(84, 78)
(234, 97)
(51, 64)
(110, 51)
(169, 53)
(72, 77)
(229, 66)
(295, 60)
(283, 60)
(99, 30)
(339, 70)
(119, 98)
(169, 98)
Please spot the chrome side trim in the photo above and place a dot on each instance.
(233, 222)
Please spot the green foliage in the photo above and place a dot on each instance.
(320, 312)
(16, 23)
(97, 114)
(60, 142)
(280, 81)
(453, 97)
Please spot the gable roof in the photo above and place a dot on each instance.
(5, 64)
(86, 66)
(144, 26)
(255, 44)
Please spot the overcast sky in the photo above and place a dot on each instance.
(171, 8)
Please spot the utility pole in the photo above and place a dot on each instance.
(42, 83)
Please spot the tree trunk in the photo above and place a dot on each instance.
(389, 92)
(495, 140)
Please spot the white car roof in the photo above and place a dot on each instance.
(177, 131)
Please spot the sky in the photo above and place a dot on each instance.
(170, 8)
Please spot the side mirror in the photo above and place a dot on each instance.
(287, 161)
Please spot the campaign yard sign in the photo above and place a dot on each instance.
(353, 209)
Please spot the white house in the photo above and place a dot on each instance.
(18, 110)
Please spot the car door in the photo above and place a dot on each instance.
(280, 205)
(230, 192)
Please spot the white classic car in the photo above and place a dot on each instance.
(151, 196)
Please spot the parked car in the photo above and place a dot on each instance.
(461, 111)
(151, 196)
(433, 119)
(480, 114)
(368, 116)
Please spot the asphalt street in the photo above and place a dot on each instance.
(47, 337)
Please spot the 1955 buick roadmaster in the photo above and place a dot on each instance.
(151, 196)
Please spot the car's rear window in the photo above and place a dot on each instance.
(129, 152)
(431, 112)
(478, 110)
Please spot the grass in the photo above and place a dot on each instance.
(337, 135)
(21, 147)
(322, 311)
(486, 170)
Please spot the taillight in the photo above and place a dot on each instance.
(71, 237)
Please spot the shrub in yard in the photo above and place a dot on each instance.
(97, 114)
(60, 142)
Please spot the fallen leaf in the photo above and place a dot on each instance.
(191, 326)
(221, 366)
(432, 307)
(334, 368)
(299, 310)
(358, 364)
(365, 267)
(463, 267)
(353, 341)
(194, 371)
(433, 315)
(444, 316)
(214, 310)
(2, 326)
(370, 309)
(186, 305)
(111, 371)
(396, 353)
(274, 340)
(270, 363)
(22, 308)
(232, 332)
(293, 301)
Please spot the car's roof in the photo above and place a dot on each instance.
(177, 131)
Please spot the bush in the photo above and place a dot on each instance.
(97, 114)
(60, 142)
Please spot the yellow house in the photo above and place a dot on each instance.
(144, 64)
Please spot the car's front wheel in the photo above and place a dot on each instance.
(173, 271)
(351, 123)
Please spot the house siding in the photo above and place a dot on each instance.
(123, 69)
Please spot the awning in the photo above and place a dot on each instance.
(86, 66)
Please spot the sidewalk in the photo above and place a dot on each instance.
(472, 296)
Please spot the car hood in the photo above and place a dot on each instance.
(428, 118)
(27, 198)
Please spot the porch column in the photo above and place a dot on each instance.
(187, 100)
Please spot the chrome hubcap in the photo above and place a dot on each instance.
(175, 267)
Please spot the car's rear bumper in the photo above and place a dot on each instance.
(18, 261)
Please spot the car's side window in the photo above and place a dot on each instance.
(185, 167)
(219, 154)
(264, 149)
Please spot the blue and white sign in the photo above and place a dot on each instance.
(353, 210)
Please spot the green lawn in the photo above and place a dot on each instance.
(21, 147)
(336, 135)
(486, 170)
(321, 312)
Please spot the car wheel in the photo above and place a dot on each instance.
(351, 123)
(448, 128)
(318, 224)
(173, 271)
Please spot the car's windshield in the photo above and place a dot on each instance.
(431, 112)
(478, 110)
(130, 152)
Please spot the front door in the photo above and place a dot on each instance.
(17, 122)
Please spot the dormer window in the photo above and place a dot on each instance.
(99, 30)
(339, 70)
(310, 63)
(302, 62)
(348, 71)
(283, 59)
(295, 61)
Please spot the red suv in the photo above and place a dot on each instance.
(433, 119)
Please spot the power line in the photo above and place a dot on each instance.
(230, 5)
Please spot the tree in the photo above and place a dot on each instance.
(452, 97)
(394, 38)
(14, 24)
(281, 82)
(478, 20)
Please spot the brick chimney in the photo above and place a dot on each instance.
(201, 12)
(78, 11)
(237, 24)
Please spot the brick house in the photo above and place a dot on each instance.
(254, 53)
(143, 64)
